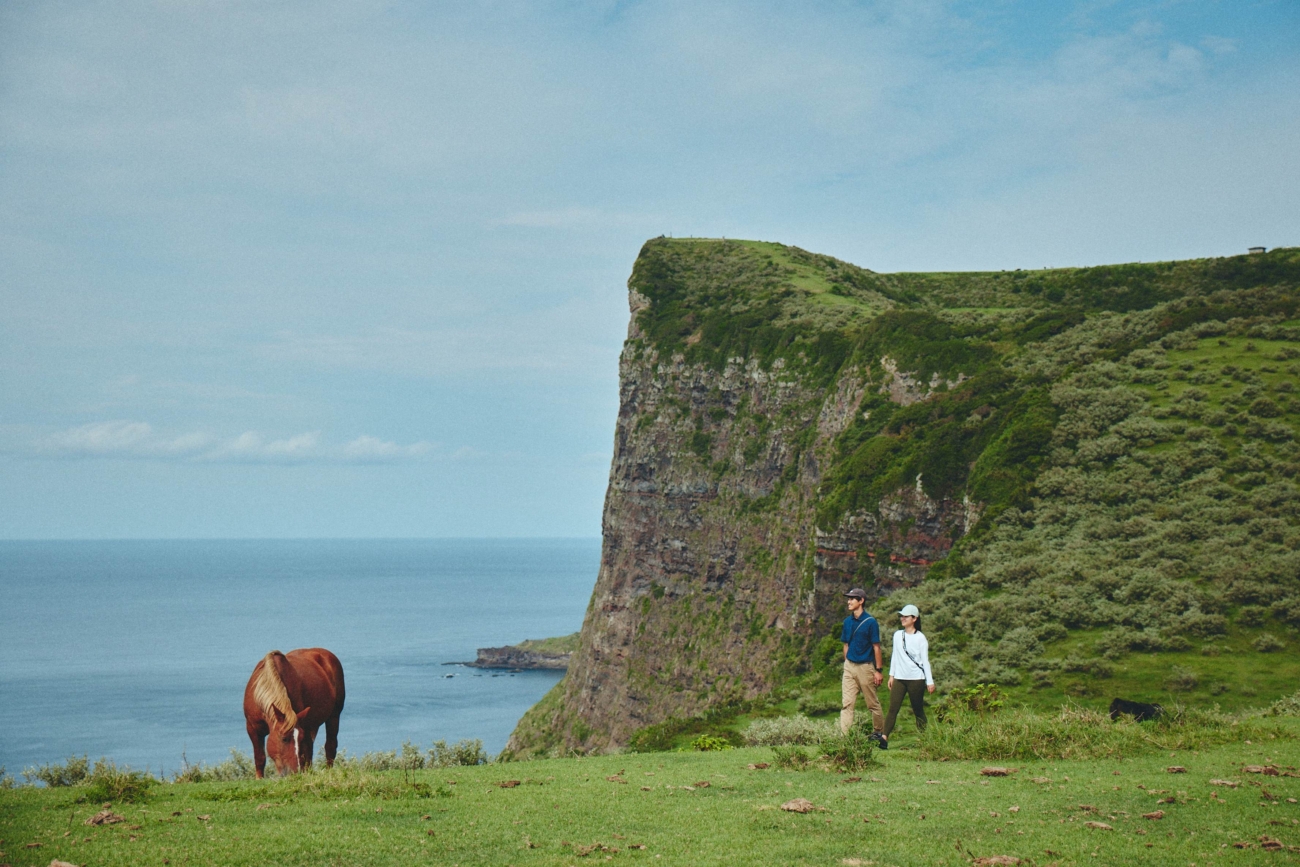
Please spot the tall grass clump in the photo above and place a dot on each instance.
(238, 767)
(108, 782)
(787, 730)
(791, 758)
(463, 752)
(1075, 732)
(852, 751)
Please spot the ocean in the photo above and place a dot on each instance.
(139, 650)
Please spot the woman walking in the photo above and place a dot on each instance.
(909, 671)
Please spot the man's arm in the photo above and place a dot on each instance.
(846, 651)
(879, 664)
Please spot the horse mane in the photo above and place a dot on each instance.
(269, 691)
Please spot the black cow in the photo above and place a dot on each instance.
(1138, 710)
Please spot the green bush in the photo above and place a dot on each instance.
(1181, 679)
(710, 743)
(463, 752)
(812, 705)
(1268, 643)
(852, 751)
(73, 772)
(108, 782)
(1286, 706)
(982, 698)
(784, 731)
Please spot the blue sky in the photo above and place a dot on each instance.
(358, 269)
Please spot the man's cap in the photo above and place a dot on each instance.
(910, 611)
(857, 593)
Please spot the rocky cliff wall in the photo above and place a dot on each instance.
(791, 425)
(714, 580)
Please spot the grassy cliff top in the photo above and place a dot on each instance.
(560, 644)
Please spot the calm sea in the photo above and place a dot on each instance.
(139, 650)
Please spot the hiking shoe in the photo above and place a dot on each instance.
(882, 741)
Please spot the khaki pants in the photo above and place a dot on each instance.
(859, 677)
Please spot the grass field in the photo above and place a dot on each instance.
(697, 808)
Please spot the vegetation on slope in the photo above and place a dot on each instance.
(1129, 429)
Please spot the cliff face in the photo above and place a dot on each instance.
(713, 577)
(791, 426)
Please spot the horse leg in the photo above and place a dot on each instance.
(306, 748)
(258, 737)
(331, 740)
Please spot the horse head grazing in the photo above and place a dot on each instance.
(311, 679)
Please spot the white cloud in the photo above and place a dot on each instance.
(137, 439)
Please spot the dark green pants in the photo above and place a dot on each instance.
(915, 690)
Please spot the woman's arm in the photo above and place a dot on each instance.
(925, 663)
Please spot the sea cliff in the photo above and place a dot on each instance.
(791, 425)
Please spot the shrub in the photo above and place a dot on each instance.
(851, 752)
(71, 773)
(710, 743)
(463, 752)
(782, 731)
(790, 758)
(1252, 615)
(1268, 643)
(1288, 609)
(811, 705)
(1286, 706)
(108, 782)
(982, 698)
(1181, 679)
(6, 780)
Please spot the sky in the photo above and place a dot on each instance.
(358, 269)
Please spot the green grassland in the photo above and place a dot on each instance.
(559, 644)
(901, 811)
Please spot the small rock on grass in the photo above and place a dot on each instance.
(1100, 826)
(1155, 814)
(57, 863)
(997, 861)
(508, 784)
(997, 772)
(1231, 784)
(798, 805)
(1176, 769)
(759, 766)
(1266, 770)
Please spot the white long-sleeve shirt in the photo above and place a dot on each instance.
(911, 657)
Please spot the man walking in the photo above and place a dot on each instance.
(862, 664)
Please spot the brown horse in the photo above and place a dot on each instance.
(285, 702)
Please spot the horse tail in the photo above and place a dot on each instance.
(269, 691)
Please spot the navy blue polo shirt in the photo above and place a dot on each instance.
(860, 634)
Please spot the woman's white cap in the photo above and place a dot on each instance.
(910, 611)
